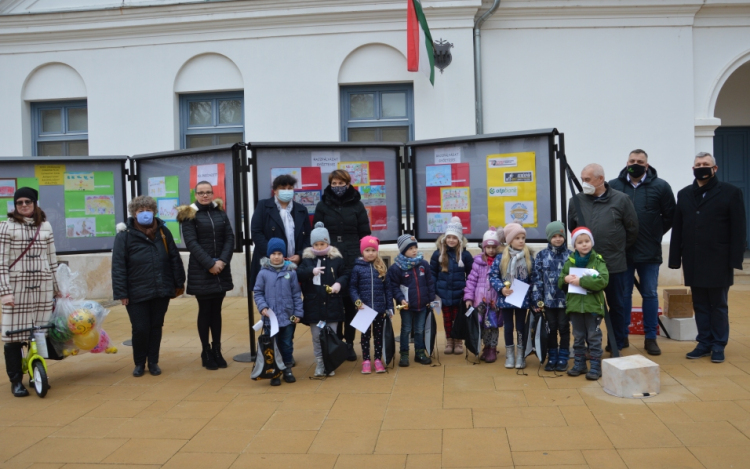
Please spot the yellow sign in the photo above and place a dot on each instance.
(511, 189)
(50, 174)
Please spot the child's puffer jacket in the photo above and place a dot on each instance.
(365, 285)
(478, 286)
(278, 290)
(419, 282)
(450, 285)
(496, 280)
(594, 301)
(548, 264)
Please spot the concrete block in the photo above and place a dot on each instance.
(630, 376)
(678, 328)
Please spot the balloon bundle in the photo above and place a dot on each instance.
(77, 322)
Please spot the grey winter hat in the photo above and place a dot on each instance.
(320, 233)
(406, 241)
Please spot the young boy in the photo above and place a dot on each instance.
(547, 267)
(586, 311)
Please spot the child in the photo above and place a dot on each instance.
(450, 265)
(322, 265)
(586, 311)
(547, 267)
(478, 290)
(411, 285)
(367, 287)
(277, 292)
(514, 263)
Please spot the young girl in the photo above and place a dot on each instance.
(411, 285)
(367, 288)
(478, 289)
(586, 311)
(322, 266)
(547, 267)
(451, 264)
(513, 264)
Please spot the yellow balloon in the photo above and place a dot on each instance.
(81, 321)
(87, 341)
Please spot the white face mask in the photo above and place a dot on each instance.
(589, 189)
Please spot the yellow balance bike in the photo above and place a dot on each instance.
(33, 363)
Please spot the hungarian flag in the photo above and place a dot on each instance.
(419, 54)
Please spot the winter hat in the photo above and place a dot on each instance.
(320, 233)
(368, 242)
(27, 192)
(579, 231)
(454, 228)
(555, 228)
(405, 241)
(512, 230)
(490, 238)
(276, 245)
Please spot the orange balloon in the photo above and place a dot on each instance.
(87, 341)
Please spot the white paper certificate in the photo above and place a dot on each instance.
(519, 293)
(274, 324)
(364, 318)
(579, 272)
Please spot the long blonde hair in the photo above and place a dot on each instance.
(506, 259)
(445, 259)
(379, 266)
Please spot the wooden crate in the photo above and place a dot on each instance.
(678, 303)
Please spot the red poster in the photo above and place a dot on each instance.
(378, 215)
(438, 177)
(377, 173)
(214, 174)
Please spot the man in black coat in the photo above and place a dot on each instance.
(709, 240)
(653, 200)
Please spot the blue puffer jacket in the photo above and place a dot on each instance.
(418, 280)
(450, 285)
(547, 267)
(496, 280)
(278, 290)
(365, 285)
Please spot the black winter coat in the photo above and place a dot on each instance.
(450, 285)
(142, 269)
(654, 204)
(417, 280)
(346, 220)
(708, 235)
(208, 236)
(266, 224)
(318, 304)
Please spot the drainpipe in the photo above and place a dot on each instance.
(478, 66)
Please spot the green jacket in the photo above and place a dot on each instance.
(594, 301)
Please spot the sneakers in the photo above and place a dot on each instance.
(651, 347)
(579, 366)
(404, 361)
(458, 347)
(288, 376)
(509, 351)
(552, 360)
(596, 369)
(320, 369)
(717, 356)
(448, 347)
(366, 367)
(698, 352)
(379, 368)
(421, 357)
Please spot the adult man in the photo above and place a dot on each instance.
(610, 216)
(708, 239)
(653, 200)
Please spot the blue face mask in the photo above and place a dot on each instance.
(285, 195)
(145, 218)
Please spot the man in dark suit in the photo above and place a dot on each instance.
(708, 240)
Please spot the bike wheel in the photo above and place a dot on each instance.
(40, 379)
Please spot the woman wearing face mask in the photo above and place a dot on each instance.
(146, 272)
(345, 217)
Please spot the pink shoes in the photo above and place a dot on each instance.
(366, 369)
(379, 368)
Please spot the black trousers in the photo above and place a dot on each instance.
(558, 322)
(711, 317)
(147, 320)
(209, 318)
(13, 366)
(345, 331)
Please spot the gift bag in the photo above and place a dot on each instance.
(389, 340)
(430, 331)
(334, 349)
(268, 361)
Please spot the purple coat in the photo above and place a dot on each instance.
(478, 286)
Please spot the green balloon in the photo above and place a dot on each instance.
(60, 333)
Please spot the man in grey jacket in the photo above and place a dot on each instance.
(611, 217)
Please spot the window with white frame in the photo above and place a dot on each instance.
(377, 113)
(211, 119)
(60, 128)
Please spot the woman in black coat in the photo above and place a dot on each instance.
(146, 272)
(209, 238)
(345, 217)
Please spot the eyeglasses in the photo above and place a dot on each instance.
(203, 194)
(24, 202)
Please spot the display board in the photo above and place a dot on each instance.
(485, 180)
(83, 198)
(372, 166)
(170, 178)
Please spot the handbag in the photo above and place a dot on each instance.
(268, 361)
(177, 291)
(36, 235)
(334, 349)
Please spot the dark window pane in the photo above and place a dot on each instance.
(197, 141)
(78, 148)
(362, 135)
(50, 149)
(395, 134)
(51, 121)
(200, 113)
(394, 104)
(230, 112)
(362, 106)
(78, 120)
(229, 139)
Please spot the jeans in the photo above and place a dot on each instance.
(147, 320)
(711, 317)
(520, 317)
(558, 322)
(285, 342)
(412, 320)
(616, 292)
(315, 333)
(586, 329)
(648, 276)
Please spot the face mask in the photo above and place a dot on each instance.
(285, 195)
(703, 172)
(145, 218)
(636, 170)
(339, 190)
(588, 189)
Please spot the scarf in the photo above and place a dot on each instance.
(278, 267)
(286, 218)
(323, 252)
(581, 261)
(407, 263)
(490, 260)
(149, 231)
(699, 192)
(516, 269)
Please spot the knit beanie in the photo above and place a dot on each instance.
(490, 238)
(405, 241)
(320, 233)
(27, 192)
(368, 242)
(512, 230)
(276, 245)
(454, 228)
(579, 231)
(555, 228)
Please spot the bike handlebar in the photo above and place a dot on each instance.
(28, 329)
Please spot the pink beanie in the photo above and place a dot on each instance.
(512, 230)
(368, 242)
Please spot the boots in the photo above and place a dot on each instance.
(562, 360)
(491, 356)
(520, 359)
(288, 376)
(551, 360)
(448, 347)
(216, 350)
(458, 347)
(421, 357)
(351, 355)
(320, 369)
(404, 361)
(596, 369)
(13, 357)
(651, 347)
(208, 358)
(509, 349)
(579, 366)
(483, 355)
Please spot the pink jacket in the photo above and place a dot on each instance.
(478, 283)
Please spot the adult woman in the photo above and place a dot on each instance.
(27, 277)
(209, 238)
(345, 216)
(146, 272)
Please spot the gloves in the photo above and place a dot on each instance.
(336, 287)
(318, 270)
(6, 299)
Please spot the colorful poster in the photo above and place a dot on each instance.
(80, 227)
(358, 170)
(89, 211)
(439, 175)
(437, 223)
(212, 173)
(157, 187)
(378, 216)
(99, 204)
(174, 228)
(372, 195)
(448, 195)
(455, 199)
(79, 181)
(7, 187)
(166, 191)
(6, 206)
(168, 209)
(50, 174)
(511, 189)
(309, 199)
(28, 182)
(296, 173)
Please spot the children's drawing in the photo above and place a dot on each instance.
(80, 227)
(309, 199)
(168, 209)
(455, 199)
(7, 187)
(100, 205)
(358, 170)
(157, 187)
(80, 181)
(438, 175)
(296, 173)
(438, 222)
(372, 195)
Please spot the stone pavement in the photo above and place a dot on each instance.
(452, 415)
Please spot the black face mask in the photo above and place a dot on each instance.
(636, 170)
(704, 172)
